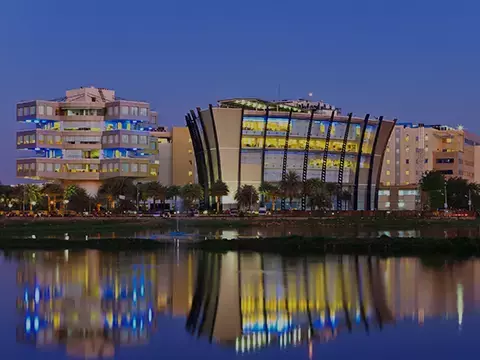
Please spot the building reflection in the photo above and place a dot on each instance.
(93, 302)
(251, 301)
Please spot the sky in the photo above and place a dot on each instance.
(412, 60)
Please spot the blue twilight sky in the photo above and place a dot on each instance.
(416, 60)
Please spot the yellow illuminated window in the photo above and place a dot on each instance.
(407, 138)
(388, 148)
(407, 183)
(190, 151)
(388, 162)
(190, 173)
(388, 183)
(407, 172)
(449, 141)
(388, 172)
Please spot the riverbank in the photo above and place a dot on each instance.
(288, 246)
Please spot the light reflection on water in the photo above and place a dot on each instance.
(94, 304)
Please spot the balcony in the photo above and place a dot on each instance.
(125, 139)
(32, 139)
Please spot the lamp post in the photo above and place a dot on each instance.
(445, 204)
(65, 202)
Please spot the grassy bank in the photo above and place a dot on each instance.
(383, 246)
(290, 246)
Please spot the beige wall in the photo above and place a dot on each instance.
(183, 158)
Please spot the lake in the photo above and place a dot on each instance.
(179, 304)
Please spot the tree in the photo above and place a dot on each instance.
(156, 191)
(433, 183)
(113, 188)
(33, 194)
(270, 192)
(219, 189)
(291, 186)
(346, 197)
(246, 196)
(173, 191)
(80, 200)
(68, 193)
(191, 193)
(317, 193)
(53, 191)
(458, 192)
(142, 194)
(6, 195)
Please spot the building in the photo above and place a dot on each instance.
(414, 149)
(250, 141)
(175, 156)
(88, 136)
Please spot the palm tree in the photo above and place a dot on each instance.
(6, 195)
(346, 196)
(219, 189)
(156, 191)
(68, 193)
(173, 191)
(33, 194)
(314, 188)
(113, 188)
(142, 189)
(246, 196)
(191, 193)
(52, 191)
(291, 186)
(270, 192)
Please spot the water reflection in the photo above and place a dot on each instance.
(94, 303)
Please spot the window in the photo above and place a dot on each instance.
(143, 111)
(416, 138)
(110, 139)
(134, 110)
(32, 110)
(125, 139)
(190, 152)
(20, 111)
(124, 167)
(426, 137)
(407, 149)
(41, 167)
(143, 168)
(407, 172)
(124, 110)
(57, 167)
(134, 167)
(49, 167)
(190, 173)
(401, 204)
(449, 141)
(387, 183)
(407, 161)
(426, 161)
(446, 172)
(26, 111)
(408, 192)
(134, 139)
(110, 111)
(49, 111)
(388, 172)
(407, 138)
(116, 139)
(19, 140)
(116, 110)
(26, 167)
(384, 192)
(387, 204)
(41, 110)
(445, 161)
(388, 148)
(143, 140)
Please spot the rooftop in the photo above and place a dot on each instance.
(299, 105)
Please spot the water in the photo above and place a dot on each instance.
(177, 304)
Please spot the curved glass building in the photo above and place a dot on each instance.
(250, 141)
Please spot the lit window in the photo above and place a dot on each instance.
(20, 140)
(449, 141)
(401, 204)
(384, 192)
(190, 152)
(388, 148)
(387, 183)
(124, 110)
(190, 173)
(20, 167)
(388, 172)
(20, 111)
(407, 172)
(426, 149)
(407, 149)
(407, 138)
(388, 161)
(426, 137)
(387, 204)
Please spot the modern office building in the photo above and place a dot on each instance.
(414, 149)
(250, 141)
(85, 137)
(175, 156)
